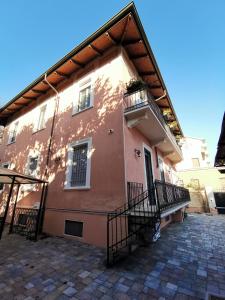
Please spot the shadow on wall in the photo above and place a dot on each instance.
(94, 122)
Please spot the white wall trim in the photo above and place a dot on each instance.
(80, 85)
(152, 162)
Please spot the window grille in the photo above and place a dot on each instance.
(79, 165)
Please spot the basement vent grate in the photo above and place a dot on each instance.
(74, 228)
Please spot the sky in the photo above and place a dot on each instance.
(187, 38)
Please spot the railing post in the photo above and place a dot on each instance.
(107, 239)
(7, 207)
(14, 211)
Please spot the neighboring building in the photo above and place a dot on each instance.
(194, 172)
(93, 126)
(195, 154)
(205, 186)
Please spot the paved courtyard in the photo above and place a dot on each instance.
(187, 261)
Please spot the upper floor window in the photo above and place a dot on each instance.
(12, 133)
(32, 165)
(78, 165)
(84, 97)
(41, 119)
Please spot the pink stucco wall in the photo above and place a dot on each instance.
(113, 160)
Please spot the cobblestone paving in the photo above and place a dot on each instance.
(187, 261)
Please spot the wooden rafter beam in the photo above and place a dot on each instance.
(62, 74)
(77, 63)
(125, 28)
(111, 38)
(10, 109)
(138, 56)
(154, 86)
(38, 91)
(19, 104)
(132, 42)
(99, 52)
(29, 98)
(149, 73)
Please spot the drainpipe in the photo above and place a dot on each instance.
(53, 124)
(164, 95)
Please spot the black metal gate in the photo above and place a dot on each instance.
(220, 202)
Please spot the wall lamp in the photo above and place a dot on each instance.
(137, 152)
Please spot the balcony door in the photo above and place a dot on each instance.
(149, 175)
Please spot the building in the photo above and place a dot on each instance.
(195, 173)
(100, 127)
(195, 154)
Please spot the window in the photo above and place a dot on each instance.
(161, 169)
(85, 96)
(32, 165)
(6, 166)
(78, 166)
(74, 228)
(41, 120)
(195, 163)
(12, 133)
(195, 184)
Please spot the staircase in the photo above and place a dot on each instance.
(132, 225)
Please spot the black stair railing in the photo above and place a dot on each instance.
(131, 225)
(169, 195)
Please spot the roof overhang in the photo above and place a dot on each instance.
(124, 29)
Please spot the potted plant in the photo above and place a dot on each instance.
(135, 85)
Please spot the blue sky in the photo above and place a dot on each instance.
(187, 38)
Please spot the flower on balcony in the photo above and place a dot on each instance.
(172, 124)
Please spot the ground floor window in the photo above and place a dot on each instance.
(78, 164)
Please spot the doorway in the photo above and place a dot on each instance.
(149, 176)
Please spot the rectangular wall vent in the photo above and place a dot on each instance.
(74, 228)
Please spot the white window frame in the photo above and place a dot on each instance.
(33, 153)
(163, 166)
(15, 129)
(2, 166)
(83, 83)
(71, 146)
(37, 122)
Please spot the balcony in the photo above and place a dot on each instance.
(143, 113)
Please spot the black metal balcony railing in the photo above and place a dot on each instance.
(169, 195)
(141, 98)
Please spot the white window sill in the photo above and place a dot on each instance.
(78, 112)
(77, 188)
